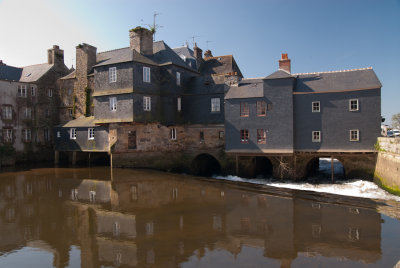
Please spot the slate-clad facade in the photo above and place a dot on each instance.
(317, 112)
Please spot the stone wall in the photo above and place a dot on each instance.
(387, 172)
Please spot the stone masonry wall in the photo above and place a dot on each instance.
(387, 171)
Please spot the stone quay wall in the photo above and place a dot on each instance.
(387, 171)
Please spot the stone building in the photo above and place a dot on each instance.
(151, 100)
(29, 106)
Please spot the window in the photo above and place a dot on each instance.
(179, 104)
(132, 139)
(58, 134)
(178, 78)
(261, 136)
(112, 74)
(7, 112)
(316, 107)
(244, 109)
(113, 103)
(33, 91)
(7, 135)
(173, 133)
(70, 112)
(50, 92)
(215, 105)
(201, 136)
(269, 107)
(261, 108)
(354, 135)
(46, 134)
(47, 113)
(28, 113)
(147, 103)
(72, 133)
(90, 133)
(316, 136)
(92, 196)
(221, 134)
(146, 74)
(26, 135)
(22, 91)
(244, 135)
(353, 105)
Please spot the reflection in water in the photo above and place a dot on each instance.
(147, 218)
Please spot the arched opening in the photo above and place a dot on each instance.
(263, 166)
(205, 165)
(321, 167)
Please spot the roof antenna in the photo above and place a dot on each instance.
(193, 37)
(155, 26)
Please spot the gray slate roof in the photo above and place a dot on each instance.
(33, 73)
(188, 54)
(10, 73)
(220, 65)
(254, 89)
(162, 54)
(337, 81)
(279, 74)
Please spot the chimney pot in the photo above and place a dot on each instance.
(284, 63)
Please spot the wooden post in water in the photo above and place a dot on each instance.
(237, 165)
(332, 170)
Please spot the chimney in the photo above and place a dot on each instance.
(141, 40)
(208, 54)
(284, 63)
(85, 59)
(198, 53)
(1, 62)
(55, 55)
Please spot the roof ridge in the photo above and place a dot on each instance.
(338, 71)
(113, 50)
(36, 64)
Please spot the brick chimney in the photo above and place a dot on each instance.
(208, 54)
(198, 52)
(284, 63)
(55, 55)
(141, 40)
(1, 62)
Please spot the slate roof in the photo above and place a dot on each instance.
(188, 54)
(71, 75)
(80, 122)
(205, 85)
(354, 79)
(33, 73)
(279, 74)
(10, 73)
(220, 65)
(252, 89)
(162, 54)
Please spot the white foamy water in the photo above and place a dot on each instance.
(356, 188)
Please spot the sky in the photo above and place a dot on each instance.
(318, 35)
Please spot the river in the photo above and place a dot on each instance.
(98, 217)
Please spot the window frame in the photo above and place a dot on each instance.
(7, 113)
(313, 137)
(22, 91)
(178, 79)
(113, 104)
(26, 134)
(28, 113)
(261, 107)
(357, 131)
(173, 134)
(112, 74)
(147, 103)
(179, 104)
(91, 133)
(244, 109)
(72, 133)
(318, 106)
(46, 134)
(33, 91)
(215, 105)
(50, 92)
(8, 135)
(351, 109)
(261, 136)
(244, 136)
(146, 74)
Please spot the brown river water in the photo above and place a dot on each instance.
(98, 217)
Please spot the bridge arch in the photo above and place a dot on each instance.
(205, 164)
(263, 166)
(321, 167)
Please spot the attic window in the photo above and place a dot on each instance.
(207, 83)
(27, 75)
(183, 57)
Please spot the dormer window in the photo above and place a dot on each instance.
(112, 74)
(146, 74)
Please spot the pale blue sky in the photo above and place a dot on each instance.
(318, 35)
